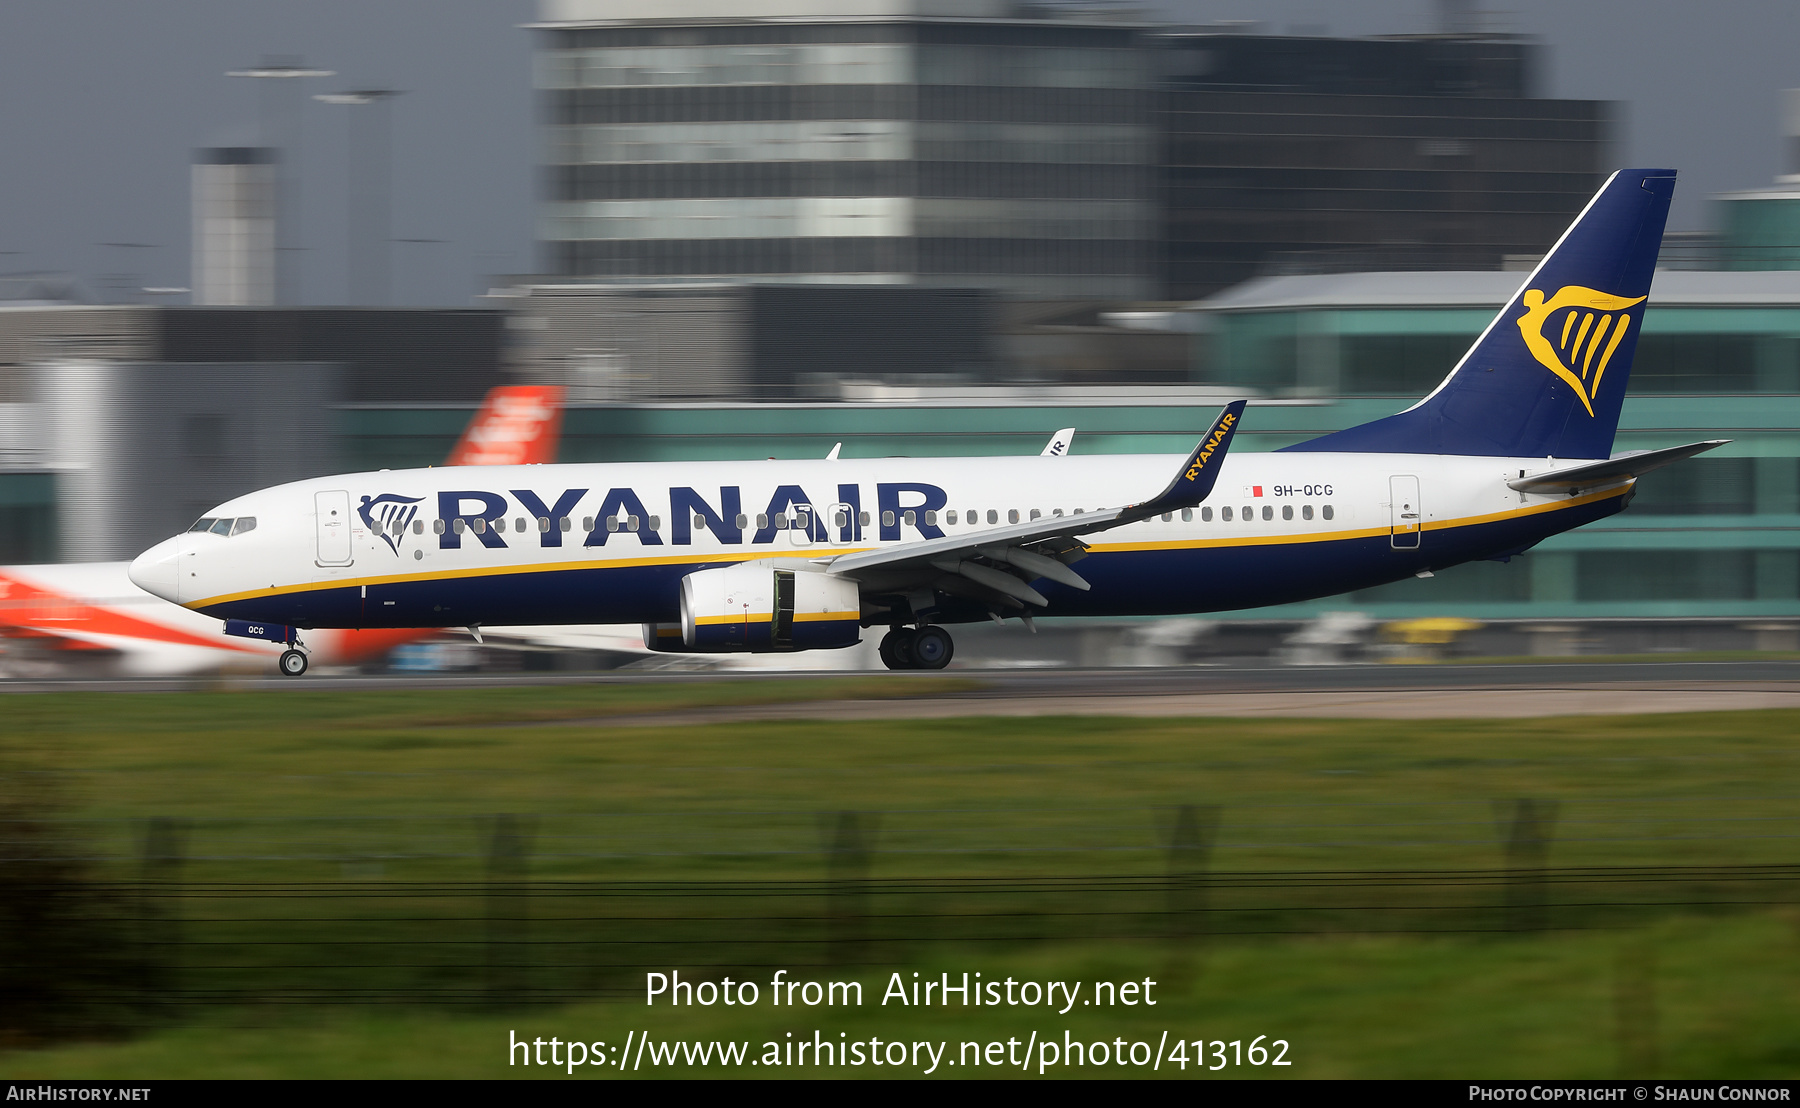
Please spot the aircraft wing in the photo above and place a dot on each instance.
(1590, 474)
(988, 563)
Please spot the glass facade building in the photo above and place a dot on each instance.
(1719, 357)
(1015, 154)
(1308, 154)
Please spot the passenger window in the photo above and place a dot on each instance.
(887, 519)
(1056, 511)
(1012, 515)
(842, 519)
(930, 518)
(655, 523)
(1287, 511)
(1325, 511)
(863, 519)
(437, 526)
(631, 523)
(418, 527)
(481, 525)
(1306, 511)
(1187, 515)
(1206, 515)
(1035, 514)
(202, 525)
(950, 516)
(1225, 514)
(762, 520)
(1249, 512)
(1078, 511)
(907, 517)
(564, 522)
(1268, 511)
(500, 525)
(802, 520)
(1168, 517)
(993, 516)
(459, 525)
(972, 516)
(587, 523)
(543, 525)
(743, 521)
(519, 525)
(781, 523)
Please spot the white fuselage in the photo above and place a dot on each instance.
(609, 543)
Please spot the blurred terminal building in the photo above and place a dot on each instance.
(930, 227)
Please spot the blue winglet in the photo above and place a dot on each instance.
(1547, 378)
(1201, 471)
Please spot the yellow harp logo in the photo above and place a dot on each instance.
(1591, 323)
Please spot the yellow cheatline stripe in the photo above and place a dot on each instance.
(746, 617)
(715, 556)
(825, 617)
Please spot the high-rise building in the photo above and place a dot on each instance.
(940, 142)
(1303, 154)
(235, 201)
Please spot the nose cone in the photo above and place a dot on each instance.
(156, 572)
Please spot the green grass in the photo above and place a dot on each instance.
(368, 798)
(1722, 1003)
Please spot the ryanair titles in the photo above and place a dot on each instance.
(481, 515)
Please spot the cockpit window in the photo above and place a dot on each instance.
(221, 527)
(202, 525)
(244, 523)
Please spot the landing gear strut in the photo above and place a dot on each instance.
(925, 648)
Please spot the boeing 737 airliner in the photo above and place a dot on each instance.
(1514, 446)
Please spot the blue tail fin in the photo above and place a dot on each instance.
(1548, 376)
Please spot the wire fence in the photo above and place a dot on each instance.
(503, 910)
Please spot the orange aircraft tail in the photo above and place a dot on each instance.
(517, 425)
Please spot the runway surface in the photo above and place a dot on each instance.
(1563, 687)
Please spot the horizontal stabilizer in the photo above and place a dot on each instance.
(1591, 474)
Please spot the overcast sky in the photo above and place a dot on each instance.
(102, 103)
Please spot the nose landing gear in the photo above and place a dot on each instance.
(293, 663)
(924, 648)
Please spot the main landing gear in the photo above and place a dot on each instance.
(924, 648)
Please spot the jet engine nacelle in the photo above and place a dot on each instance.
(757, 607)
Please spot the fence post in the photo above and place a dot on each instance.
(1634, 1008)
(1527, 833)
(508, 914)
(1190, 858)
(159, 915)
(849, 843)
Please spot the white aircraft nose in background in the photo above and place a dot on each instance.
(156, 572)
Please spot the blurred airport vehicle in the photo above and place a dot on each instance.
(89, 616)
(1515, 445)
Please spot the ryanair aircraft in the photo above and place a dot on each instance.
(1514, 446)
